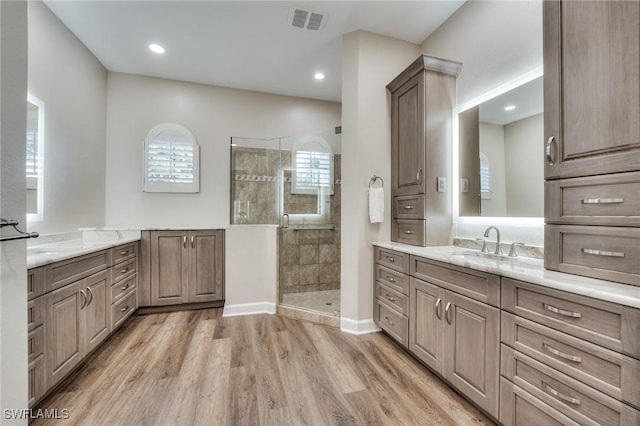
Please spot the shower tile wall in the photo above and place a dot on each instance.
(255, 185)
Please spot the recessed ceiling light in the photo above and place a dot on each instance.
(319, 76)
(156, 48)
(509, 107)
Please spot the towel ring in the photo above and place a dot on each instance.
(373, 180)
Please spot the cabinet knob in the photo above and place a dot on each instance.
(389, 321)
(391, 298)
(391, 279)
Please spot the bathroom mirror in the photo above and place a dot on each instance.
(500, 158)
(34, 157)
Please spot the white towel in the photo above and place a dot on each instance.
(376, 205)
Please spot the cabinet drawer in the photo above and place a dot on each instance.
(395, 280)
(613, 326)
(124, 270)
(615, 374)
(394, 323)
(398, 301)
(121, 310)
(124, 252)
(520, 408)
(610, 200)
(569, 396)
(36, 380)
(35, 343)
(35, 283)
(35, 312)
(477, 285)
(408, 231)
(392, 259)
(594, 251)
(408, 207)
(65, 272)
(120, 289)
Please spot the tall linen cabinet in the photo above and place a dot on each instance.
(592, 131)
(422, 99)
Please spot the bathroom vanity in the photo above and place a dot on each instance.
(520, 342)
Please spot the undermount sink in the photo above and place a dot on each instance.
(472, 253)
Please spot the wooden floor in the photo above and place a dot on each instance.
(195, 367)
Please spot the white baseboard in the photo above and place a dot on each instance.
(249, 309)
(358, 327)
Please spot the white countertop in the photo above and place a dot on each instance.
(56, 248)
(526, 269)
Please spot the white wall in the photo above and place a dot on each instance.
(13, 268)
(369, 63)
(525, 166)
(252, 289)
(73, 86)
(213, 114)
(492, 145)
(496, 41)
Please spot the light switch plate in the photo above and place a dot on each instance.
(464, 184)
(442, 184)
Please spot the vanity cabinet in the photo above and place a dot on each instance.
(186, 267)
(592, 131)
(567, 357)
(73, 307)
(422, 98)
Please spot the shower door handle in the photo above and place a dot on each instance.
(282, 221)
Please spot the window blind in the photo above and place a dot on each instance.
(33, 164)
(313, 170)
(170, 162)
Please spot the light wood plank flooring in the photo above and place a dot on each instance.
(195, 367)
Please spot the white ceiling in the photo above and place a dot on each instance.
(241, 44)
(528, 100)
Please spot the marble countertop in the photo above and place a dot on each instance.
(54, 248)
(526, 269)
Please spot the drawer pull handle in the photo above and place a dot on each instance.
(603, 201)
(408, 232)
(391, 258)
(124, 252)
(560, 396)
(561, 354)
(124, 287)
(408, 207)
(447, 312)
(389, 321)
(124, 270)
(547, 151)
(603, 252)
(390, 298)
(419, 177)
(391, 279)
(124, 308)
(562, 311)
(438, 306)
(84, 299)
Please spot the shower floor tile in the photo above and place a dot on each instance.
(325, 301)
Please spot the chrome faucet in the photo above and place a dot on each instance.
(498, 251)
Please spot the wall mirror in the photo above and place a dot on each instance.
(35, 158)
(500, 158)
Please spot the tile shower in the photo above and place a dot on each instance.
(263, 192)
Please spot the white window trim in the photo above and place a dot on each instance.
(39, 216)
(171, 187)
(314, 189)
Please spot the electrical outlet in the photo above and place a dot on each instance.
(464, 184)
(442, 184)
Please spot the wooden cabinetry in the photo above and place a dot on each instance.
(457, 337)
(570, 356)
(592, 130)
(391, 301)
(71, 311)
(422, 98)
(186, 267)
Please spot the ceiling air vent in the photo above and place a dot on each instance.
(307, 19)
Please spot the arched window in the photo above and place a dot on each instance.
(171, 160)
(313, 165)
(485, 177)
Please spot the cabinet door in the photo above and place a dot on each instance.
(591, 87)
(169, 267)
(407, 137)
(97, 311)
(426, 323)
(472, 348)
(64, 331)
(206, 266)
